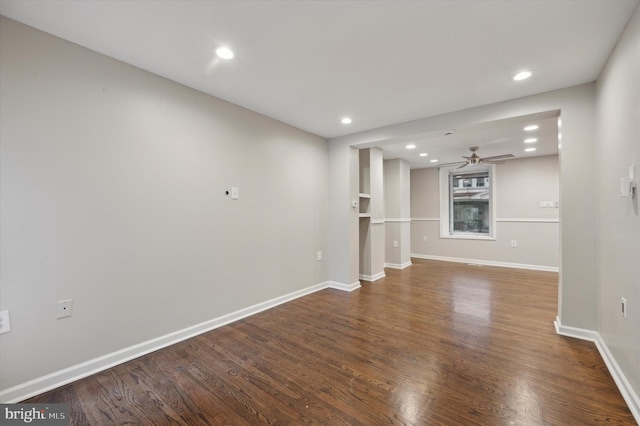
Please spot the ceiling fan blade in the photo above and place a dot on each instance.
(464, 165)
(467, 158)
(498, 157)
(493, 162)
(451, 164)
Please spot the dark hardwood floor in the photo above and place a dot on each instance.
(436, 344)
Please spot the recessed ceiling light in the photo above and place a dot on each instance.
(529, 150)
(531, 128)
(346, 120)
(522, 75)
(423, 154)
(224, 52)
(530, 140)
(434, 160)
(410, 146)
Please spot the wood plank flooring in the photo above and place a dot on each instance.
(435, 344)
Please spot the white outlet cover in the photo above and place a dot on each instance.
(64, 308)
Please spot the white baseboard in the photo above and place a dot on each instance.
(397, 265)
(372, 278)
(630, 396)
(62, 377)
(487, 262)
(344, 287)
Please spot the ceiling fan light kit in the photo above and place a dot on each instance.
(475, 160)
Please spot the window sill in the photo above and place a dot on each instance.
(468, 237)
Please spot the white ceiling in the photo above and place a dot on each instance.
(309, 63)
(494, 138)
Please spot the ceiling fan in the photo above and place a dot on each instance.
(475, 160)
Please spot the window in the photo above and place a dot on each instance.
(467, 202)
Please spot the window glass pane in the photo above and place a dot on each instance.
(469, 207)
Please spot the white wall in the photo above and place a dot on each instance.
(112, 194)
(397, 185)
(520, 186)
(618, 248)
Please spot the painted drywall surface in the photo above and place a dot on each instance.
(354, 218)
(396, 189)
(364, 185)
(377, 184)
(577, 213)
(377, 228)
(377, 247)
(537, 244)
(577, 290)
(618, 247)
(397, 209)
(371, 234)
(113, 195)
(392, 208)
(340, 212)
(520, 186)
(365, 247)
(392, 194)
(424, 193)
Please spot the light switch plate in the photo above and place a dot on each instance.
(5, 322)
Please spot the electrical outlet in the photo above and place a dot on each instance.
(624, 307)
(395, 243)
(424, 238)
(5, 322)
(65, 308)
(514, 243)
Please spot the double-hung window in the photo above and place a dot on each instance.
(467, 202)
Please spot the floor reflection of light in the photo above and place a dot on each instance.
(472, 299)
(414, 397)
(410, 403)
(525, 403)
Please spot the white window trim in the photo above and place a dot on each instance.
(444, 204)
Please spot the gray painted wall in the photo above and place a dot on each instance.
(577, 290)
(520, 186)
(372, 249)
(617, 148)
(397, 185)
(112, 194)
